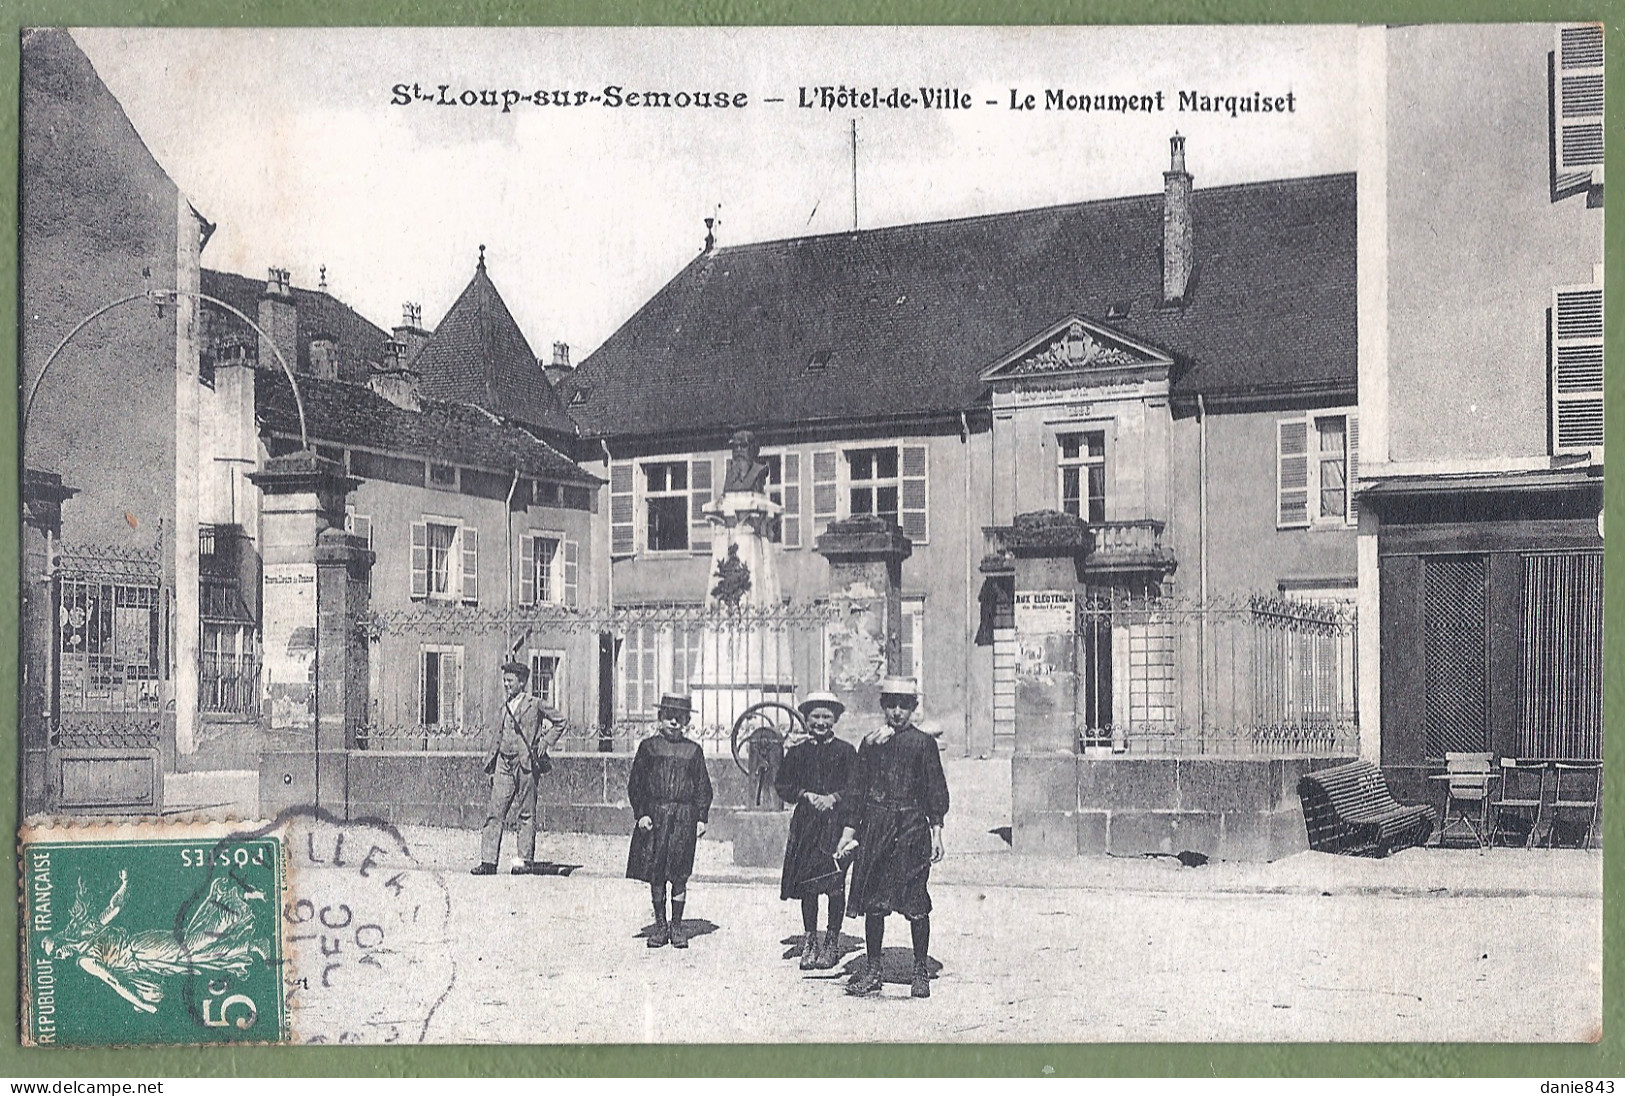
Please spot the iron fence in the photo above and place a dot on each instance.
(1246, 675)
(603, 669)
(110, 648)
(229, 683)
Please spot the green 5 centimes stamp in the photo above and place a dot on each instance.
(151, 941)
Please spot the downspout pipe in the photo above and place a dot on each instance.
(970, 571)
(507, 513)
(1201, 566)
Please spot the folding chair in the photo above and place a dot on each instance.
(1575, 791)
(1523, 791)
(1467, 793)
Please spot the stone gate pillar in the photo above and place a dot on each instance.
(1048, 547)
(866, 555)
(43, 496)
(309, 588)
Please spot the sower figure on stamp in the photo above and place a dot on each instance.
(891, 813)
(670, 793)
(813, 776)
(516, 756)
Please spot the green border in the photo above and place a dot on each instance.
(1172, 1060)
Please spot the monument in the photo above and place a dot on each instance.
(744, 652)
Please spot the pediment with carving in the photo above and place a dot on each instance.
(1076, 345)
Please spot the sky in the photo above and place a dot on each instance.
(294, 142)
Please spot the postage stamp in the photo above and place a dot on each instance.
(171, 939)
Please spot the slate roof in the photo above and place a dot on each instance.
(343, 414)
(358, 340)
(478, 355)
(908, 315)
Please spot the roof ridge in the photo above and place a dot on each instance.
(870, 233)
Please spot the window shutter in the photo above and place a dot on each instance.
(471, 563)
(623, 528)
(527, 569)
(1577, 105)
(1292, 473)
(571, 565)
(1577, 354)
(423, 687)
(420, 560)
(699, 497)
(826, 469)
(790, 473)
(911, 507)
(1354, 467)
(451, 687)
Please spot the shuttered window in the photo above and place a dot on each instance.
(826, 490)
(1292, 473)
(471, 564)
(440, 685)
(789, 496)
(622, 509)
(1577, 362)
(572, 564)
(1577, 109)
(913, 508)
(445, 561)
(1317, 464)
(700, 496)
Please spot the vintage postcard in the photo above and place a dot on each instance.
(811, 535)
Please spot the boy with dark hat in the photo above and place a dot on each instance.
(891, 813)
(516, 755)
(670, 793)
(813, 776)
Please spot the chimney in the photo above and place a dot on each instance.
(279, 318)
(410, 333)
(394, 381)
(560, 367)
(710, 234)
(1178, 234)
(324, 358)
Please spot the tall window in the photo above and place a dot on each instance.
(659, 506)
(874, 486)
(445, 560)
(656, 659)
(442, 547)
(544, 676)
(538, 579)
(440, 696)
(1334, 465)
(1317, 470)
(1082, 463)
(888, 481)
(912, 637)
(665, 492)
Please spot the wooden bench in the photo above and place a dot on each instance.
(1348, 809)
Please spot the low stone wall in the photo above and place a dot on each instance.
(1223, 808)
(585, 793)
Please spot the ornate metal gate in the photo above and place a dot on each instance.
(109, 680)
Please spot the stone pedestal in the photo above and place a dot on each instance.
(1048, 548)
(743, 659)
(865, 555)
(313, 572)
(43, 495)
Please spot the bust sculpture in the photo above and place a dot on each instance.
(747, 472)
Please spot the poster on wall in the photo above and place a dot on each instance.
(290, 645)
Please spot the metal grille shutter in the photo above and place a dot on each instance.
(1455, 654)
